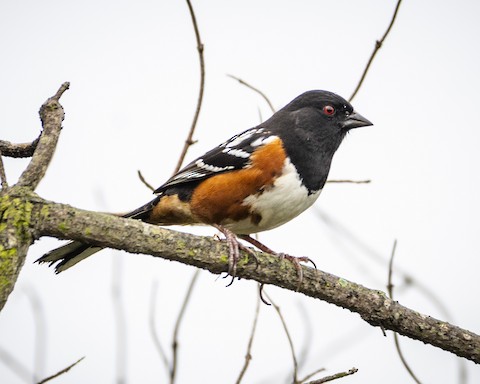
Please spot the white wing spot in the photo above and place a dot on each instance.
(237, 152)
(190, 175)
(238, 139)
(263, 140)
(211, 168)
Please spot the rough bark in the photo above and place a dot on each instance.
(65, 222)
(15, 212)
(15, 239)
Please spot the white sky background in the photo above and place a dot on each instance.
(134, 76)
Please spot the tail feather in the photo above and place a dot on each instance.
(144, 211)
(73, 252)
(68, 255)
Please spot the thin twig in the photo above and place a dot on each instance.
(309, 331)
(395, 335)
(260, 116)
(347, 235)
(309, 376)
(40, 335)
(56, 97)
(153, 328)
(248, 355)
(290, 342)
(15, 365)
(145, 182)
(189, 141)
(3, 176)
(65, 370)
(18, 150)
(265, 97)
(350, 181)
(304, 354)
(181, 314)
(120, 315)
(402, 358)
(390, 270)
(339, 375)
(378, 45)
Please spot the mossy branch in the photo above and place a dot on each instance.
(25, 217)
(15, 234)
(66, 222)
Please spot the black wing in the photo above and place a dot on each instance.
(231, 155)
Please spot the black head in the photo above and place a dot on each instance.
(312, 127)
(328, 107)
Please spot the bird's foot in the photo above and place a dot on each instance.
(234, 251)
(294, 259)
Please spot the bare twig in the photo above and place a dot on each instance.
(173, 369)
(308, 330)
(402, 358)
(40, 335)
(378, 45)
(61, 372)
(153, 328)
(395, 335)
(145, 182)
(310, 375)
(51, 114)
(189, 141)
(334, 377)
(3, 176)
(350, 181)
(248, 355)
(290, 341)
(264, 96)
(15, 365)
(121, 347)
(463, 372)
(18, 150)
(260, 116)
(348, 235)
(390, 270)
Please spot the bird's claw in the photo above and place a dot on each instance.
(234, 247)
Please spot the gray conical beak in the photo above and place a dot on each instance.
(355, 120)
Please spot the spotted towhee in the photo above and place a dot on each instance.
(253, 182)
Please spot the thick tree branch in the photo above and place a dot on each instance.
(51, 114)
(65, 222)
(18, 150)
(15, 213)
(24, 217)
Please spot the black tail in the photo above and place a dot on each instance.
(75, 251)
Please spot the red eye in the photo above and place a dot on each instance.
(328, 110)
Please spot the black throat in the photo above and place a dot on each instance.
(311, 149)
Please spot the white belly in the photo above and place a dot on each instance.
(277, 205)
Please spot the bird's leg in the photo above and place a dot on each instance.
(234, 247)
(295, 260)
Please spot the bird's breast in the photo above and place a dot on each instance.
(277, 204)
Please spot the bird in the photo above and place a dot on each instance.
(255, 181)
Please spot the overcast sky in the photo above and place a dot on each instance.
(134, 76)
